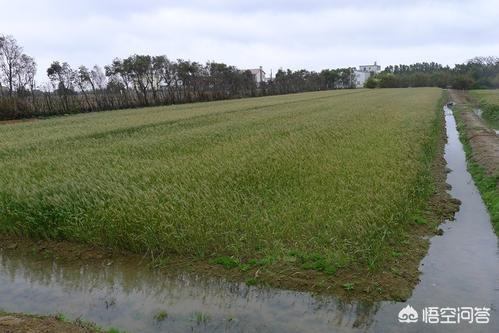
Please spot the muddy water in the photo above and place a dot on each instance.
(461, 269)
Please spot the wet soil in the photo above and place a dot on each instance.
(484, 142)
(21, 323)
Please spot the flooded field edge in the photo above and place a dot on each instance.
(394, 280)
(355, 312)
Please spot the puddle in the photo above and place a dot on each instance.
(461, 269)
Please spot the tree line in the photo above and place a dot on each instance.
(145, 80)
(137, 81)
(477, 73)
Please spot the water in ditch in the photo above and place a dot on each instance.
(462, 266)
(460, 270)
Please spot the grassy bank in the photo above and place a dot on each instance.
(489, 103)
(326, 180)
(486, 182)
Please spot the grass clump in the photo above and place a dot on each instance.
(78, 322)
(227, 262)
(251, 281)
(115, 330)
(200, 318)
(348, 286)
(62, 317)
(161, 315)
(230, 262)
(316, 262)
(420, 220)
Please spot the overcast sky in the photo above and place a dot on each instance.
(313, 34)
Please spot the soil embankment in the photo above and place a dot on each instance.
(484, 141)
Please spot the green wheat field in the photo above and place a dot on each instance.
(336, 174)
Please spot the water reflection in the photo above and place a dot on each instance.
(128, 294)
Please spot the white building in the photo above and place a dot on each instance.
(258, 75)
(364, 72)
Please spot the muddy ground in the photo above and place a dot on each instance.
(20, 323)
(483, 140)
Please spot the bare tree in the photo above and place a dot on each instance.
(10, 56)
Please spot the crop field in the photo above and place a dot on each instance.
(337, 175)
(489, 102)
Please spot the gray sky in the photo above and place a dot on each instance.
(312, 34)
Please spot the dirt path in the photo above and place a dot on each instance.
(460, 97)
(484, 141)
